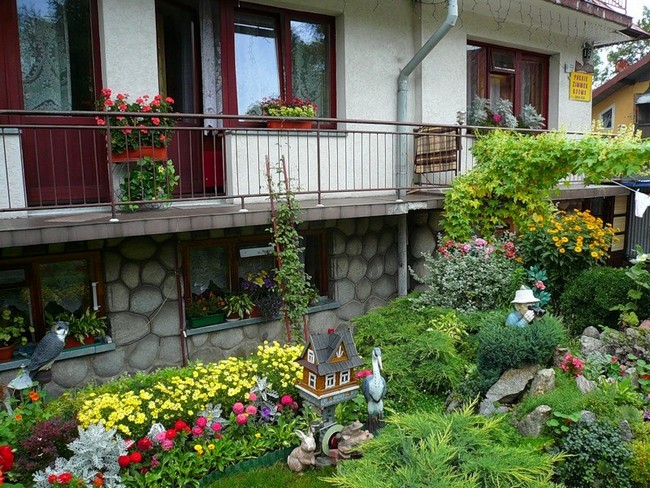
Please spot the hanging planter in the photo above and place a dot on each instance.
(132, 155)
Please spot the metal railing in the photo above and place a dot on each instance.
(64, 160)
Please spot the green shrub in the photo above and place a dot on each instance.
(418, 360)
(470, 276)
(596, 452)
(458, 450)
(589, 298)
(501, 347)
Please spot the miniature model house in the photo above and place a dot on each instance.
(329, 362)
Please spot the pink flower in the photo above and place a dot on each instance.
(238, 408)
(241, 419)
(106, 92)
(167, 444)
(155, 120)
(197, 431)
(201, 422)
(480, 242)
(100, 121)
(161, 436)
(252, 397)
(169, 100)
(540, 285)
(497, 118)
(251, 410)
(465, 248)
(286, 400)
(216, 427)
(363, 373)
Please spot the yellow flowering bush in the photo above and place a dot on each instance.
(564, 243)
(132, 412)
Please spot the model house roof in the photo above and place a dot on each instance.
(325, 347)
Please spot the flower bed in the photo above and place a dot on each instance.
(169, 428)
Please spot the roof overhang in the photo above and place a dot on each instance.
(635, 73)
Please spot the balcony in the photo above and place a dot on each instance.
(59, 181)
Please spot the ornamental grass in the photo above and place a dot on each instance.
(185, 393)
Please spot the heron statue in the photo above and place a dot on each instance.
(373, 388)
(44, 355)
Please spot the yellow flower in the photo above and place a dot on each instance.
(258, 435)
(562, 250)
(198, 448)
(578, 249)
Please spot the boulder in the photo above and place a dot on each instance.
(592, 332)
(543, 382)
(508, 388)
(533, 424)
(589, 345)
(584, 385)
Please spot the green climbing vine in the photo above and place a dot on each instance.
(295, 283)
(516, 175)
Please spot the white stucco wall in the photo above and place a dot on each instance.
(12, 182)
(128, 47)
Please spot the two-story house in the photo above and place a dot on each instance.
(378, 69)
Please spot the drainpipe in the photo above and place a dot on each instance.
(402, 98)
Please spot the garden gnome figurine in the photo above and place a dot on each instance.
(526, 309)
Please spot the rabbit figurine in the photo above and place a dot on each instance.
(302, 455)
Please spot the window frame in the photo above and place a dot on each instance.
(33, 281)
(311, 380)
(611, 109)
(485, 69)
(311, 357)
(330, 380)
(344, 377)
(284, 18)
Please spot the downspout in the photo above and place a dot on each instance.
(402, 99)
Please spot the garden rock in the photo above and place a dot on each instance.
(633, 374)
(558, 355)
(508, 388)
(587, 417)
(591, 331)
(533, 424)
(625, 431)
(543, 382)
(589, 345)
(585, 385)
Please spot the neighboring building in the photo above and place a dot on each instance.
(625, 99)
(66, 244)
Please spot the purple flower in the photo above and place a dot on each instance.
(646, 415)
(266, 413)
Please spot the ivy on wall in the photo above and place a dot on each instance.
(515, 175)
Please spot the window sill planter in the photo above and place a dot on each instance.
(71, 342)
(132, 155)
(289, 124)
(7, 353)
(196, 322)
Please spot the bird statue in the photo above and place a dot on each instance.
(373, 388)
(44, 355)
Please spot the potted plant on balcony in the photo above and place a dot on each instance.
(264, 289)
(85, 329)
(149, 180)
(288, 109)
(480, 113)
(137, 136)
(13, 330)
(239, 306)
(205, 309)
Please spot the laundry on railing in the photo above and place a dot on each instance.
(437, 149)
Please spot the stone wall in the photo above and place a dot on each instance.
(424, 227)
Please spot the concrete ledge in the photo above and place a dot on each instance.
(66, 354)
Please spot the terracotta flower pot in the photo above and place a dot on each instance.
(289, 124)
(7, 352)
(155, 153)
(71, 342)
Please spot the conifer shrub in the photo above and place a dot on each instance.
(589, 298)
(457, 450)
(419, 360)
(501, 347)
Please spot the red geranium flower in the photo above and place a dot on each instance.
(65, 477)
(6, 458)
(171, 434)
(136, 457)
(144, 444)
(124, 461)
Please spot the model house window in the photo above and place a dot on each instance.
(345, 377)
(220, 266)
(277, 53)
(607, 118)
(41, 288)
(330, 380)
(310, 356)
(56, 54)
(312, 380)
(498, 73)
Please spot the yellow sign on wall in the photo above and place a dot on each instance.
(580, 86)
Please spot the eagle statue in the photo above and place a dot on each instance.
(373, 388)
(44, 355)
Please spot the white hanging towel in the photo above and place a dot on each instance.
(641, 203)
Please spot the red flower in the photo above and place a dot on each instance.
(144, 444)
(170, 434)
(124, 461)
(65, 478)
(106, 92)
(169, 100)
(136, 457)
(6, 458)
(181, 425)
(51, 479)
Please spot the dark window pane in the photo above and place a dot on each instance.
(503, 61)
(56, 54)
(256, 61)
(310, 63)
(476, 82)
(65, 286)
(532, 79)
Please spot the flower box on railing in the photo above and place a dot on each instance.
(132, 155)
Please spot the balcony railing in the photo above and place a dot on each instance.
(64, 160)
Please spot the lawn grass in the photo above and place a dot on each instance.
(277, 475)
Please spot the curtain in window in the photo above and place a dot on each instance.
(211, 62)
(44, 55)
(310, 63)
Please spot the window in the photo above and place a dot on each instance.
(310, 356)
(271, 52)
(330, 380)
(220, 265)
(51, 285)
(518, 76)
(312, 380)
(345, 377)
(607, 118)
